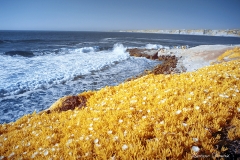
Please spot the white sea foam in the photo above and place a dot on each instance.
(19, 74)
(85, 50)
(153, 46)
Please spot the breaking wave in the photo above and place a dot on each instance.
(26, 74)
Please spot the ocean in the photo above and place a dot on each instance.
(39, 67)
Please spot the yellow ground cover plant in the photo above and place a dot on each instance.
(230, 54)
(173, 116)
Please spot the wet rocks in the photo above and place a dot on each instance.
(147, 53)
(169, 65)
(169, 61)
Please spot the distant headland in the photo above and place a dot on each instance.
(207, 32)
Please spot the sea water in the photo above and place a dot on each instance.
(39, 67)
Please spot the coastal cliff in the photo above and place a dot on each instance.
(207, 32)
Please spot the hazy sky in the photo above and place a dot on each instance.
(102, 15)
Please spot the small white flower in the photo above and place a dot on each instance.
(189, 99)
(34, 154)
(221, 95)
(45, 152)
(133, 101)
(1, 157)
(178, 111)
(115, 138)
(144, 117)
(197, 107)
(205, 90)
(125, 133)
(112, 158)
(90, 128)
(95, 119)
(120, 121)
(11, 155)
(163, 100)
(98, 145)
(162, 122)
(238, 109)
(109, 132)
(195, 139)
(69, 141)
(184, 124)
(148, 110)
(144, 98)
(124, 147)
(195, 148)
(96, 141)
(81, 138)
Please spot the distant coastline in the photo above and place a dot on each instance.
(206, 32)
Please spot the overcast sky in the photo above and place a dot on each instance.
(104, 15)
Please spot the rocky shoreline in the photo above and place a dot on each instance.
(168, 66)
(158, 116)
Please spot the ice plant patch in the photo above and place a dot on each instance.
(154, 117)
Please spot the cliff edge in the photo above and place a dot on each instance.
(207, 32)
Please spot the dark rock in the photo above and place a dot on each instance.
(73, 102)
(147, 53)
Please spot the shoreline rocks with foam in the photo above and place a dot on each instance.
(188, 59)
